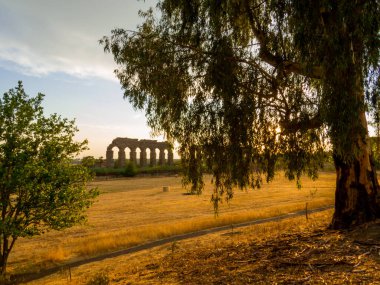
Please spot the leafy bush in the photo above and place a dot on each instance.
(159, 169)
(105, 171)
(130, 170)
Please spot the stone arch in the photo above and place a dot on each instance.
(128, 151)
(109, 155)
(143, 145)
(140, 156)
(148, 156)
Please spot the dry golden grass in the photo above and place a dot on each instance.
(134, 211)
(57, 254)
(293, 251)
(148, 266)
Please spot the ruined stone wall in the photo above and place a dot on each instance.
(143, 145)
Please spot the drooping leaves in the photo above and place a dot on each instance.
(240, 84)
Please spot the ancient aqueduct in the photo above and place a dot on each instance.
(143, 145)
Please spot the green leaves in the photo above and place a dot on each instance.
(240, 84)
(39, 187)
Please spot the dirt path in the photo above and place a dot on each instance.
(34, 276)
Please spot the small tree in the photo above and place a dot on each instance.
(88, 161)
(130, 170)
(99, 162)
(39, 187)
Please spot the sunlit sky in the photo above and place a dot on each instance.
(52, 46)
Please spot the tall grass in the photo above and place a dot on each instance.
(106, 241)
(135, 211)
(129, 269)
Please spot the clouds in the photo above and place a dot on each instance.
(21, 58)
(43, 37)
(52, 46)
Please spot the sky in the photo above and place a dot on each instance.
(52, 47)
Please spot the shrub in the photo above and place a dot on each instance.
(100, 278)
(130, 170)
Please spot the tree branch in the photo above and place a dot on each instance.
(289, 66)
(276, 61)
(295, 125)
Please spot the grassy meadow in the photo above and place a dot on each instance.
(159, 265)
(136, 210)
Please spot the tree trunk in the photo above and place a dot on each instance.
(3, 265)
(4, 258)
(357, 196)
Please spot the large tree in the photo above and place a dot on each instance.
(241, 83)
(40, 189)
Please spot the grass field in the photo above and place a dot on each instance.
(134, 211)
(156, 266)
(291, 251)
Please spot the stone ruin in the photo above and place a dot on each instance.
(133, 144)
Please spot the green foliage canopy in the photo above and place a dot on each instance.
(39, 187)
(239, 83)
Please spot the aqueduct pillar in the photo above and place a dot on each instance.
(170, 157)
(109, 158)
(122, 157)
(161, 160)
(132, 156)
(153, 157)
(143, 157)
(133, 144)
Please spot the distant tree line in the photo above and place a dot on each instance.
(130, 169)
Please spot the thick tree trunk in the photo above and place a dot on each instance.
(357, 196)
